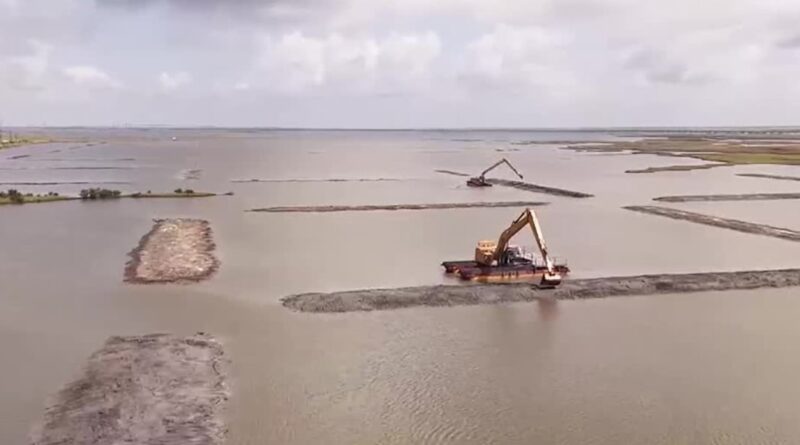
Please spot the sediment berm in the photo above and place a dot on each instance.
(726, 197)
(726, 223)
(527, 186)
(152, 389)
(177, 250)
(472, 294)
(368, 208)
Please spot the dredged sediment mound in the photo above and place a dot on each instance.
(151, 389)
(178, 250)
(473, 294)
(390, 207)
(528, 187)
(725, 223)
(726, 197)
(778, 177)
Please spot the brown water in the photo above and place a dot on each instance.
(705, 368)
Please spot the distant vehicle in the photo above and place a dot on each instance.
(480, 181)
(174, 138)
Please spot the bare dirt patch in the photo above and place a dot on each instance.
(151, 389)
(392, 207)
(733, 224)
(174, 251)
(473, 294)
(778, 177)
(734, 197)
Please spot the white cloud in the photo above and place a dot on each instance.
(298, 63)
(173, 81)
(518, 57)
(91, 77)
(28, 72)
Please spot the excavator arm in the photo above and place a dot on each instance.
(497, 164)
(528, 217)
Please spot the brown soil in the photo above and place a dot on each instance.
(740, 197)
(451, 172)
(174, 251)
(472, 294)
(733, 224)
(779, 177)
(152, 389)
(528, 187)
(241, 181)
(677, 168)
(369, 208)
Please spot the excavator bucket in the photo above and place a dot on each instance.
(550, 280)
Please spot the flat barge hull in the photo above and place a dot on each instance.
(472, 271)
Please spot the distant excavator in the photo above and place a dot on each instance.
(501, 261)
(480, 181)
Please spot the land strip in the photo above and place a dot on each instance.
(779, 177)
(677, 168)
(739, 197)
(177, 250)
(528, 187)
(392, 207)
(718, 148)
(733, 224)
(244, 181)
(472, 294)
(152, 389)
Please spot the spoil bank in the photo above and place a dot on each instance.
(152, 389)
(677, 168)
(451, 172)
(243, 181)
(779, 177)
(472, 294)
(740, 197)
(369, 208)
(733, 224)
(537, 188)
(528, 187)
(174, 251)
(717, 147)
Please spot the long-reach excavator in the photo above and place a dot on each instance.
(497, 260)
(480, 181)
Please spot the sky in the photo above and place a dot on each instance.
(400, 63)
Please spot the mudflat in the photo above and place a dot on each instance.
(174, 251)
(472, 294)
(151, 389)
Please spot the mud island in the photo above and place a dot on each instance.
(179, 250)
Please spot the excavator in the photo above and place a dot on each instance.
(497, 260)
(480, 181)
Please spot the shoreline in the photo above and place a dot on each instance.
(480, 294)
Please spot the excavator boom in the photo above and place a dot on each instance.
(488, 254)
(480, 181)
(497, 164)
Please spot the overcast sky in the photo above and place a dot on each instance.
(400, 63)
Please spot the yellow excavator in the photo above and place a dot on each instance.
(497, 260)
(480, 181)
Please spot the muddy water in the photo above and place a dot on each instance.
(692, 368)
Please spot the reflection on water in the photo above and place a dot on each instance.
(704, 368)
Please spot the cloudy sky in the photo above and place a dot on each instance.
(400, 63)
